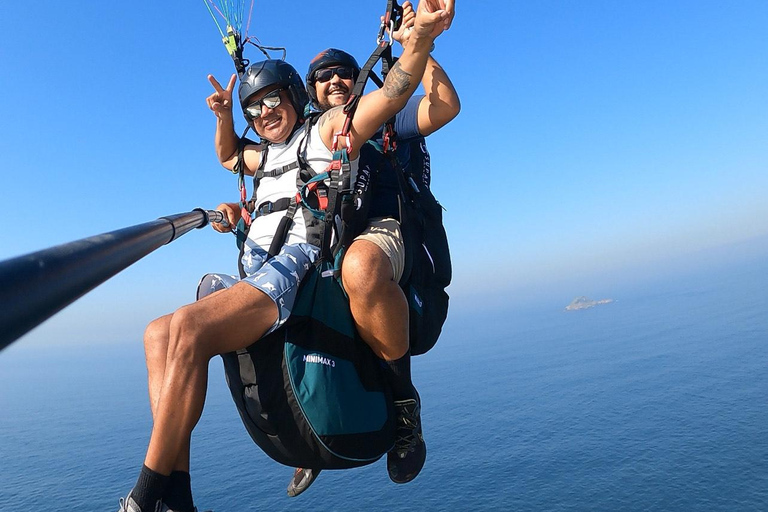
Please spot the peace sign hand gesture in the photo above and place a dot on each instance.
(220, 102)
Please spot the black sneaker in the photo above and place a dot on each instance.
(302, 479)
(406, 458)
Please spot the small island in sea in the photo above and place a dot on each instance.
(585, 303)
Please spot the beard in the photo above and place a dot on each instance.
(326, 104)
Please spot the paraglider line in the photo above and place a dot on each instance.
(208, 5)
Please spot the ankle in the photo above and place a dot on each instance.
(149, 488)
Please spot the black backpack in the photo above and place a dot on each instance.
(427, 271)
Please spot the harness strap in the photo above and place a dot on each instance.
(340, 183)
(290, 205)
(282, 231)
(301, 152)
(268, 207)
(392, 20)
(274, 173)
(239, 169)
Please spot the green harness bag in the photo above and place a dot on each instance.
(311, 394)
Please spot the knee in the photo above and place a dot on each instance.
(365, 269)
(186, 330)
(156, 339)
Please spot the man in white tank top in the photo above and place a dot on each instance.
(180, 345)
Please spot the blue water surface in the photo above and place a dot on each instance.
(658, 401)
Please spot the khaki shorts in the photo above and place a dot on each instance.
(385, 233)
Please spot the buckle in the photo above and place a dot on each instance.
(347, 142)
(266, 208)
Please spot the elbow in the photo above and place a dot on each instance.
(228, 164)
(453, 106)
(449, 109)
(445, 114)
(227, 160)
(453, 109)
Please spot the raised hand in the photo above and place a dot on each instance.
(409, 16)
(448, 7)
(220, 102)
(433, 17)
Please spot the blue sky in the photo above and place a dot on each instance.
(595, 138)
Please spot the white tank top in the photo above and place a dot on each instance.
(271, 189)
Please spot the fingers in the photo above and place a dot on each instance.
(409, 15)
(231, 84)
(221, 100)
(215, 83)
(451, 13)
(431, 5)
(232, 218)
(431, 17)
(230, 215)
(217, 104)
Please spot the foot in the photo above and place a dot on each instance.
(165, 508)
(405, 460)
(302, 479)
(129, 505)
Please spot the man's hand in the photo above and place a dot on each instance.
(409, 16)
(220, 102)
(433, 17)
(448, 7)
(231, 212)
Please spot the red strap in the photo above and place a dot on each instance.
(244, 213)
(347, 138)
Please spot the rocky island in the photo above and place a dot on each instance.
(585, 303)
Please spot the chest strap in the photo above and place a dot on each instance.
(268, 207)
(274, 173)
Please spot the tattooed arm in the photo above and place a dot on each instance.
(377, 106)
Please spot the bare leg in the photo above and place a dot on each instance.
(380, 311)
(156, 338)
(229, 320)
(378, 305)
(156, 353)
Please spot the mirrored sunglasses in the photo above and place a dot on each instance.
(271, 100)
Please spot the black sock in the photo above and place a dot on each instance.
(149, 489)
(178, 493)
(398, 373)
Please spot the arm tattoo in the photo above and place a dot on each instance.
(397, 83)
(330, 115)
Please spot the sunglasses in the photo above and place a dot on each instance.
(324, 75)
(271, 100)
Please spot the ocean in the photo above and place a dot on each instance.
(657, 402)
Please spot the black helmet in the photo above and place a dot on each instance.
(325, 59)
(270, 72)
